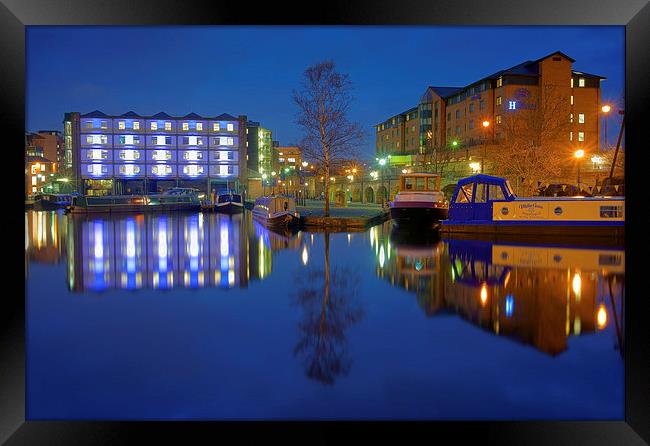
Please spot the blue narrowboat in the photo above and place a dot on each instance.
(485, 204)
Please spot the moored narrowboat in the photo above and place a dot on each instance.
(134, 203)
(419, 202)
(46, 202)
(229, 202)
(486, 204)
(276, 211)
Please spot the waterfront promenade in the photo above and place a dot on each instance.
(355, 216)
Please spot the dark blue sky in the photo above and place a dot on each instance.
(252, 70)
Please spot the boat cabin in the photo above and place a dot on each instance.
(419, 182)
(473, 197)
(276, 204)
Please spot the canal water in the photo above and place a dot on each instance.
(210, 316)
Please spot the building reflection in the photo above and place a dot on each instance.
(538, 295)
(156, 251)
(45, 236)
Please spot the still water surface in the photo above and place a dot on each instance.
(192, 316)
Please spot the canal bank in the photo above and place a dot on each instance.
(352, 218)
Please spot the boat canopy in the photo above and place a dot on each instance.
(488, 188)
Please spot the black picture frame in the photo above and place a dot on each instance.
(633, 14)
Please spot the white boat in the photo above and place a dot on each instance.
(276, 211)
(419, 201)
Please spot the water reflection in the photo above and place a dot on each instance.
(328, 296)
(538, 295)
(157, 251)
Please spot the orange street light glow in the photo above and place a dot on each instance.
(601, 317)
(606, 108)
(486, 123)
(484, 295)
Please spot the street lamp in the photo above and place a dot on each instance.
(606, 109)
(578, 155)
(486, 125)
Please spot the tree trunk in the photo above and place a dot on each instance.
(327, 191)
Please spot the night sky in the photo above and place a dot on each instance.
(253, 70)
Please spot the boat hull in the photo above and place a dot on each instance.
(229, 207)
(282, 220)
(418, 216)
(113, 209)
(614, 230)
(42, 205)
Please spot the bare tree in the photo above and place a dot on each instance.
(329, 299)
(533, 143)
(323, 103)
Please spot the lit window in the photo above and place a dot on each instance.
(571, 117)
(199, 126)
(293, 160)
(97, 169)
(229, 141)
(497, 118)
(581, 82)
(129, 155)
(570, 136)
(571, 82)
(136, 125)
(215, 126)
(281, 160)
(581, 118)
(161, 155)
(581, 136)
(498, 100)
(193, 170)
(168, 125)
(154, 126)
(499, 82)
(42, 167)
(33, 189)
(33, 180)
(103, 125)
(161, 169)
(121, 125)
(89, 125)
(186, 126)
(230, 127)
(193, 155)
(512, 105)
(571, 99)
(129, 169)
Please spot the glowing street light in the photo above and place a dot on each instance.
(273, 173)
(305, 164)
(601, 316)
(486, 123)
(454, 143)
(476, 167)
(382, 162)
(484, 295)
(578, 155)
(606, 109)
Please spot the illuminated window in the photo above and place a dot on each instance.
(186, 126)
(193, 155)
(136, 125)
(129, 169)
(571, 117)
(581, 118)
(215, 126)
(129, 155)
(96, 139)
(581, 82)
(103, 125)
(33, 189)
(161, 155)
(161, 169)
(499, 81)
(193, 169)
(89, 125)
(581, 136)
(230, 127)
(154, 125)
(33, 180)
(291, 160)
(121, 125)
(281, 160)
(97, 154)
(512, 105)
(497, 119)
(571, 99)
(570, 136)
(97, 169)
(168, 125)
(571, 82)
(498, 100)
(199, 126)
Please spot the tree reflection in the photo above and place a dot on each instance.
(329, 299)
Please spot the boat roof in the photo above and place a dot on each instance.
(482, 178)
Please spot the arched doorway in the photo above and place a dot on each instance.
(370, 195)
(382, 193)
(356, 195)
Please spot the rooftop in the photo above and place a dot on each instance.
(160, 115)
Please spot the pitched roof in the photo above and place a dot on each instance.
(193, 116)
(161, 115)
(445, 92)
(130, 114)
(582, 73)
(95, 114)
(226, 117)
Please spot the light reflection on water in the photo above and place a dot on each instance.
(331, 313)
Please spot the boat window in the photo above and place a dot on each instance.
(496, 193)
(611, 211)
(408, 183)
(465, 193)
(419, 183)
(509, 188)
(236, 198)
(481, 193)
(432, 183)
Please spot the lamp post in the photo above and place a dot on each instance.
(382, 163)
(486, 125)
(578, 155)
(605, 109)
(263, 186)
